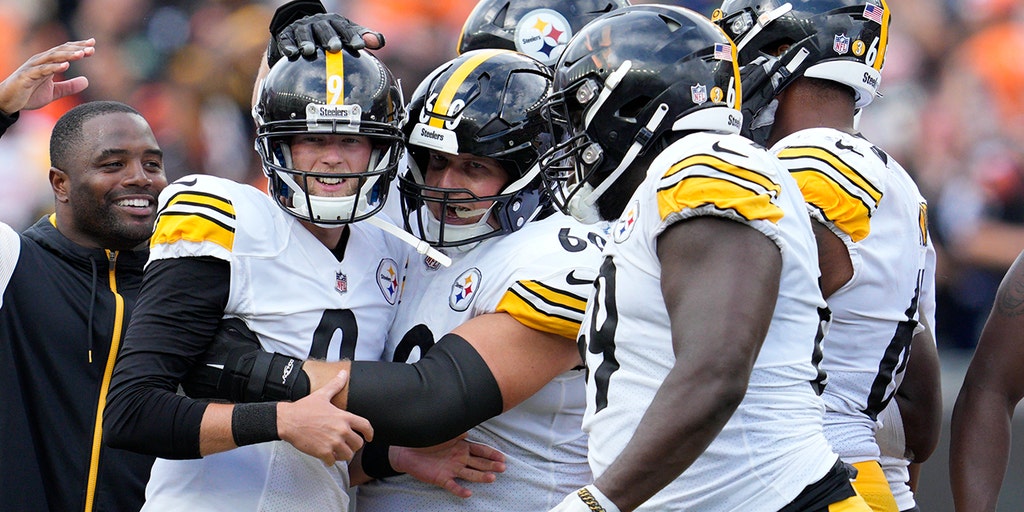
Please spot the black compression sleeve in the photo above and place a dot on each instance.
(177, 312)
(6, 120)
(429, 402)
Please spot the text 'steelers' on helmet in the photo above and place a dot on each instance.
(334, 93)
(538, 28)
(839, 40)
(485, 103)
(624, 81)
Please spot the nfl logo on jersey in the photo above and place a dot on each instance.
(340, 282)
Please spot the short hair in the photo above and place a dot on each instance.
(67, 133)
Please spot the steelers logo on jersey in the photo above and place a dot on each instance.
(542, 34)
(464, 289)
(624, 226)
(387, 279)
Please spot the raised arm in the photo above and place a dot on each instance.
(32, 85)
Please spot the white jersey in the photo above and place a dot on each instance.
(892, 444)
(540, 275)
(300, 300)
(772, 446)
(865, 198)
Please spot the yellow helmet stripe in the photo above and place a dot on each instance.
(335, 63)
(447, 94)
(883, 36)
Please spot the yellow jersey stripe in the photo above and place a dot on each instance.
(696, 191)
(922, 220)
(543, 308)
(195, 217)
(203, 199)
(443, 103)
(847, 211)
(723, 166)
(831, 160)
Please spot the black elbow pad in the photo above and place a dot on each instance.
(447, 392)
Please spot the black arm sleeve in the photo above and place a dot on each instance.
(6, 121)
(429, 402)
(179, 307)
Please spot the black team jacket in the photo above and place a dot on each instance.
(64, 312)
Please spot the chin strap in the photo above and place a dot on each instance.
(421, 246)
(639, 142)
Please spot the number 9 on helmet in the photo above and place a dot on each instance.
(333, 93)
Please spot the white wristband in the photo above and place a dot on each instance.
(587, 499)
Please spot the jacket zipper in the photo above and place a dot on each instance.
(115, 344)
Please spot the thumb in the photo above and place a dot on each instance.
(335, 385)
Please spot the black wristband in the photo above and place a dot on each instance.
(376, 462)
(254, 423)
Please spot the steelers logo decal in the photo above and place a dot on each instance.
(542, 34)
(464, 290)
(387, 279)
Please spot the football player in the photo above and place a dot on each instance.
(515, 291)
(981, 427)
(700, 334)
(494, 334)
(871, 226)
(297, 267)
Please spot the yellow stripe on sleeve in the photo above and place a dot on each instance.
(698, 191)
(543, 308)
(722, 166)
(195, 218)
(835, 163)
(846, 211)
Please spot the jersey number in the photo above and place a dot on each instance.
(897, 351)
(604, 318)
(333, 321)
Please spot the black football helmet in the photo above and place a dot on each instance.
(346, 92)
(538, 28)
(482, 103)
(839, 40)
(623, 82)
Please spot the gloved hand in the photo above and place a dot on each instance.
(302, 26)
(235, 368)
(286, 15)
(587, 499)
(762, 79)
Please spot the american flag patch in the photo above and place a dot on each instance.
(874, 12)
(723, 52)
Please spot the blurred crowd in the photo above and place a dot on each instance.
(952, 111)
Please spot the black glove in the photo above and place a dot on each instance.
(286, 15)
(762, 79)
(237, 369)
(329, 31)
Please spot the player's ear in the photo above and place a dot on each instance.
(60, 182)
